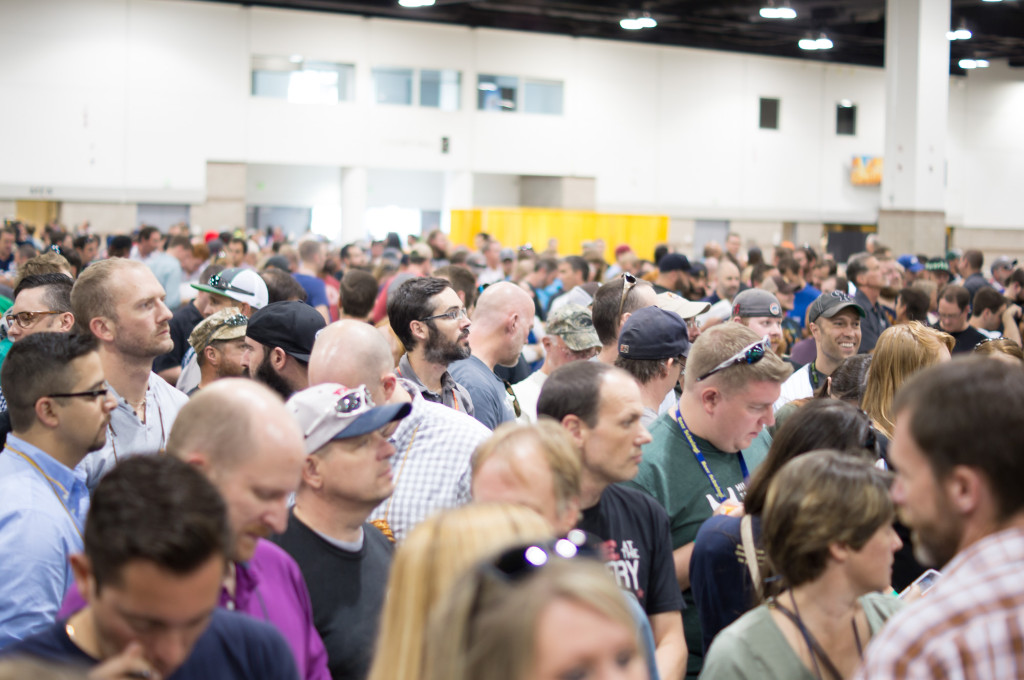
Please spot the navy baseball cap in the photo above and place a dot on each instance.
(654, 333)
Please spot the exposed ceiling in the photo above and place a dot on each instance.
(856, 27)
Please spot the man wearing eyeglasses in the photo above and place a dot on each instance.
(429, 319)
(703, 450)
(59, 408)
(344, 559)
(121, 303)
(42, 304)
(219, 343)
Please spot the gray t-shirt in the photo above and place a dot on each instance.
(492, 404)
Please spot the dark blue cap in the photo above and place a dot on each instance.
(653, 333)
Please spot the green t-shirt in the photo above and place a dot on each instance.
(754, 647)
(671, 474)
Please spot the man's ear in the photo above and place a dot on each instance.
(45, 412)
(200, 462)
(81, 568)
(311, 475)
(965, 488)
(67, 322)
(576, 429)
(419, 330)
(278, 358)
(103, 328)
(388, 383)
(210, 352)
(710, 398)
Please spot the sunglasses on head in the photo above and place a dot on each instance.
(520, 561)
(220, 283)
(628, 281)
(349, 403)
(750, 354)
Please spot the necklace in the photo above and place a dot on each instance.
(814, 648)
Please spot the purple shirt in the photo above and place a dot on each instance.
(269, 587)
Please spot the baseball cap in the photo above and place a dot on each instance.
(937, 264)
(241, 285)
(622, 248)
(910, 263)
(476, 260)
(508, 254)
(1003, 262)
(574, 324)
(227, 324)
(830, 304)
(756, 302)
(686, 309)
(290, 325)
(653, 333)
(330, 411)
(420, 252)
(674, 262)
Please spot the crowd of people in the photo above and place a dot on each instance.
(231, 455)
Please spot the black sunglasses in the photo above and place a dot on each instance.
(515, 400)
(220, 283)
(628, 281)
(750, 354)
(523, 560)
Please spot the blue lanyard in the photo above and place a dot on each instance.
(719, 494)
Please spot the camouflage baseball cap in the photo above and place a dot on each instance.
(573, 324)
(227, 324)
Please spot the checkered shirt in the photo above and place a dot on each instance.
(970, 625)
(433, 448)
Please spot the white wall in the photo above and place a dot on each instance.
(129, 99)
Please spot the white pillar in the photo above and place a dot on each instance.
(353, 204)
(458, 195)
(912, 216)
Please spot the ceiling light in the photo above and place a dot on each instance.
(770, 11)
(981, 63)
(635, 23)
(820, 43)
(968, 64)
(487, 87)
(961, 32)
(845, 103)
(415, 3)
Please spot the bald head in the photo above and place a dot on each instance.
(499, 301)
(728, 276)
(229, 420)
(501, 324)
(351, 353)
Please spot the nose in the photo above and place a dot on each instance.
(109, 403)
(387, 449)
(897, 542)
(897, 491)
(769, 417)
(169, 651)
(644, 437)
(276, 516)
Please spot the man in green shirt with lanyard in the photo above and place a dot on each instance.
(834, 321)
(703, 450)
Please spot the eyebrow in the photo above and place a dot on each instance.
(142, 618)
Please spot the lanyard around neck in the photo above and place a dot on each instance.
(53, 487)
(719, 493)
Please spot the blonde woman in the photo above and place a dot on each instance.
(901, 351)
(521, 618)
(434, 556)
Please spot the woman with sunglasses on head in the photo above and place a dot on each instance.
(726, 566)
(828, 537)
(433, 558)
(532, 615)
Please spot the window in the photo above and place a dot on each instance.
(440, 89)
(301, 81)
(846, 118)
(497, 93)
(543, 97)
(392, 86)
(769, 114)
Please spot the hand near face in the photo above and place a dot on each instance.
(130, 663)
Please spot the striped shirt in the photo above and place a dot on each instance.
(971, 624)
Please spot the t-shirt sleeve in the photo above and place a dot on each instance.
(730, 658)
(663, 590)
(317, 294)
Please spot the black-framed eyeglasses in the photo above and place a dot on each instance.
(450, 315)
(91, 394)
(628, 281)
(219, 282)
(515, 400)
(26, 319)
(349, 403)
(750, 354)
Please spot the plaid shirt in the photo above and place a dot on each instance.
(433, 448)
(970, 625)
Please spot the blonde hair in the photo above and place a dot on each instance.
(1000, 348)
(47, 262)
(94, 294)
(486, 626)
(434, 556)
(720, 342)
(901, 352)
(553, 442)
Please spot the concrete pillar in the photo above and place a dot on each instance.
(457, 195)
(224, 209)
(568, 193)
(912, 217)
(353, 204)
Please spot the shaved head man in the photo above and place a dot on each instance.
(501, 324)
(433, 444)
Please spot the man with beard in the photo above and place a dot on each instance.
(431, 322)
(501, 324)
(121, 303)
(219, 342)
(59, 408)
(834, 322)
(959, 473)
(278, 340)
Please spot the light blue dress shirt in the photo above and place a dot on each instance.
(42, 516)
